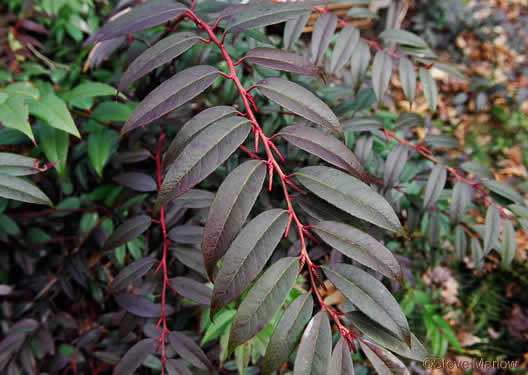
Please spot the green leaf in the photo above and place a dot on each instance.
(218, 325)
(202, 155)
(17, 165)
(20, 190)
(300, 101)
(247, 256)
(52, 110)
(90, 90)
(492, 229)
(253, 17)
(230, 208)
(160, 53)
(385, 338)
(382, 360)
(323, 32)
(326, 147)
(435, 185)
(447, 331)
(350, 195)
(341, 362)
(171, 94)
(263, 300)
(111, 111)
(360, 247)
(14, 114)
(346, 44)
(314, 351)
(403, 37)
(370, 296)
(508, 245)
(293, 29)
(477, 169)
(381, 73)
(503, 190)
(287, 334)
(22, 89)
(408, 78)
(242, 354)
(195, 125)
(9, 226)
(55, 143)
(99, 147)
(429, 87)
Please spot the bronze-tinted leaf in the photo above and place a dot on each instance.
(187, 234)
(315, 349)
(263, 301)
(192, 127)
(370, 296)
(196, 198)
(247, 256)
(300, 101)
(350, 195)
(206, 152)
(360, 247)
(287, 334)
(326, 147)
(143, 16)
(127, 231)
(160, 53)
(281, 60)
(263, 15)
(171, 94)
(230, 209)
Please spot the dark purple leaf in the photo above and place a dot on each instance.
(45, 341)
(492, 229)
(462, 195)
(133, 156)
(136, 181)
(196, 198)
(231, 206)
(28, 360)
(135, 357)
(345, 46)
(187, 234)
(359, 63)
(326, 147)
(293, 29)
(176, 367)
(247, 256)
(323, 33)
(143, 16)
(370, 296)
(315, 349)
(190, 257)
(171, 94)
(408, 78)
(341, 361)
(24, 326)
(460, 242)
(190, 350)
(140, 306)
(101, 51)
(281, 60)
(263, 15)
(394, 166)
(131, 273)
(383, 361)
(435, 185)
(206, 152)
(363, 147)
(286, 336)
(360, 247)
(192, 127)
(263, 301)
(381, 73)
(127, 231)
(160, 53)
(300, 101)
(20, 190)
(192, 290)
